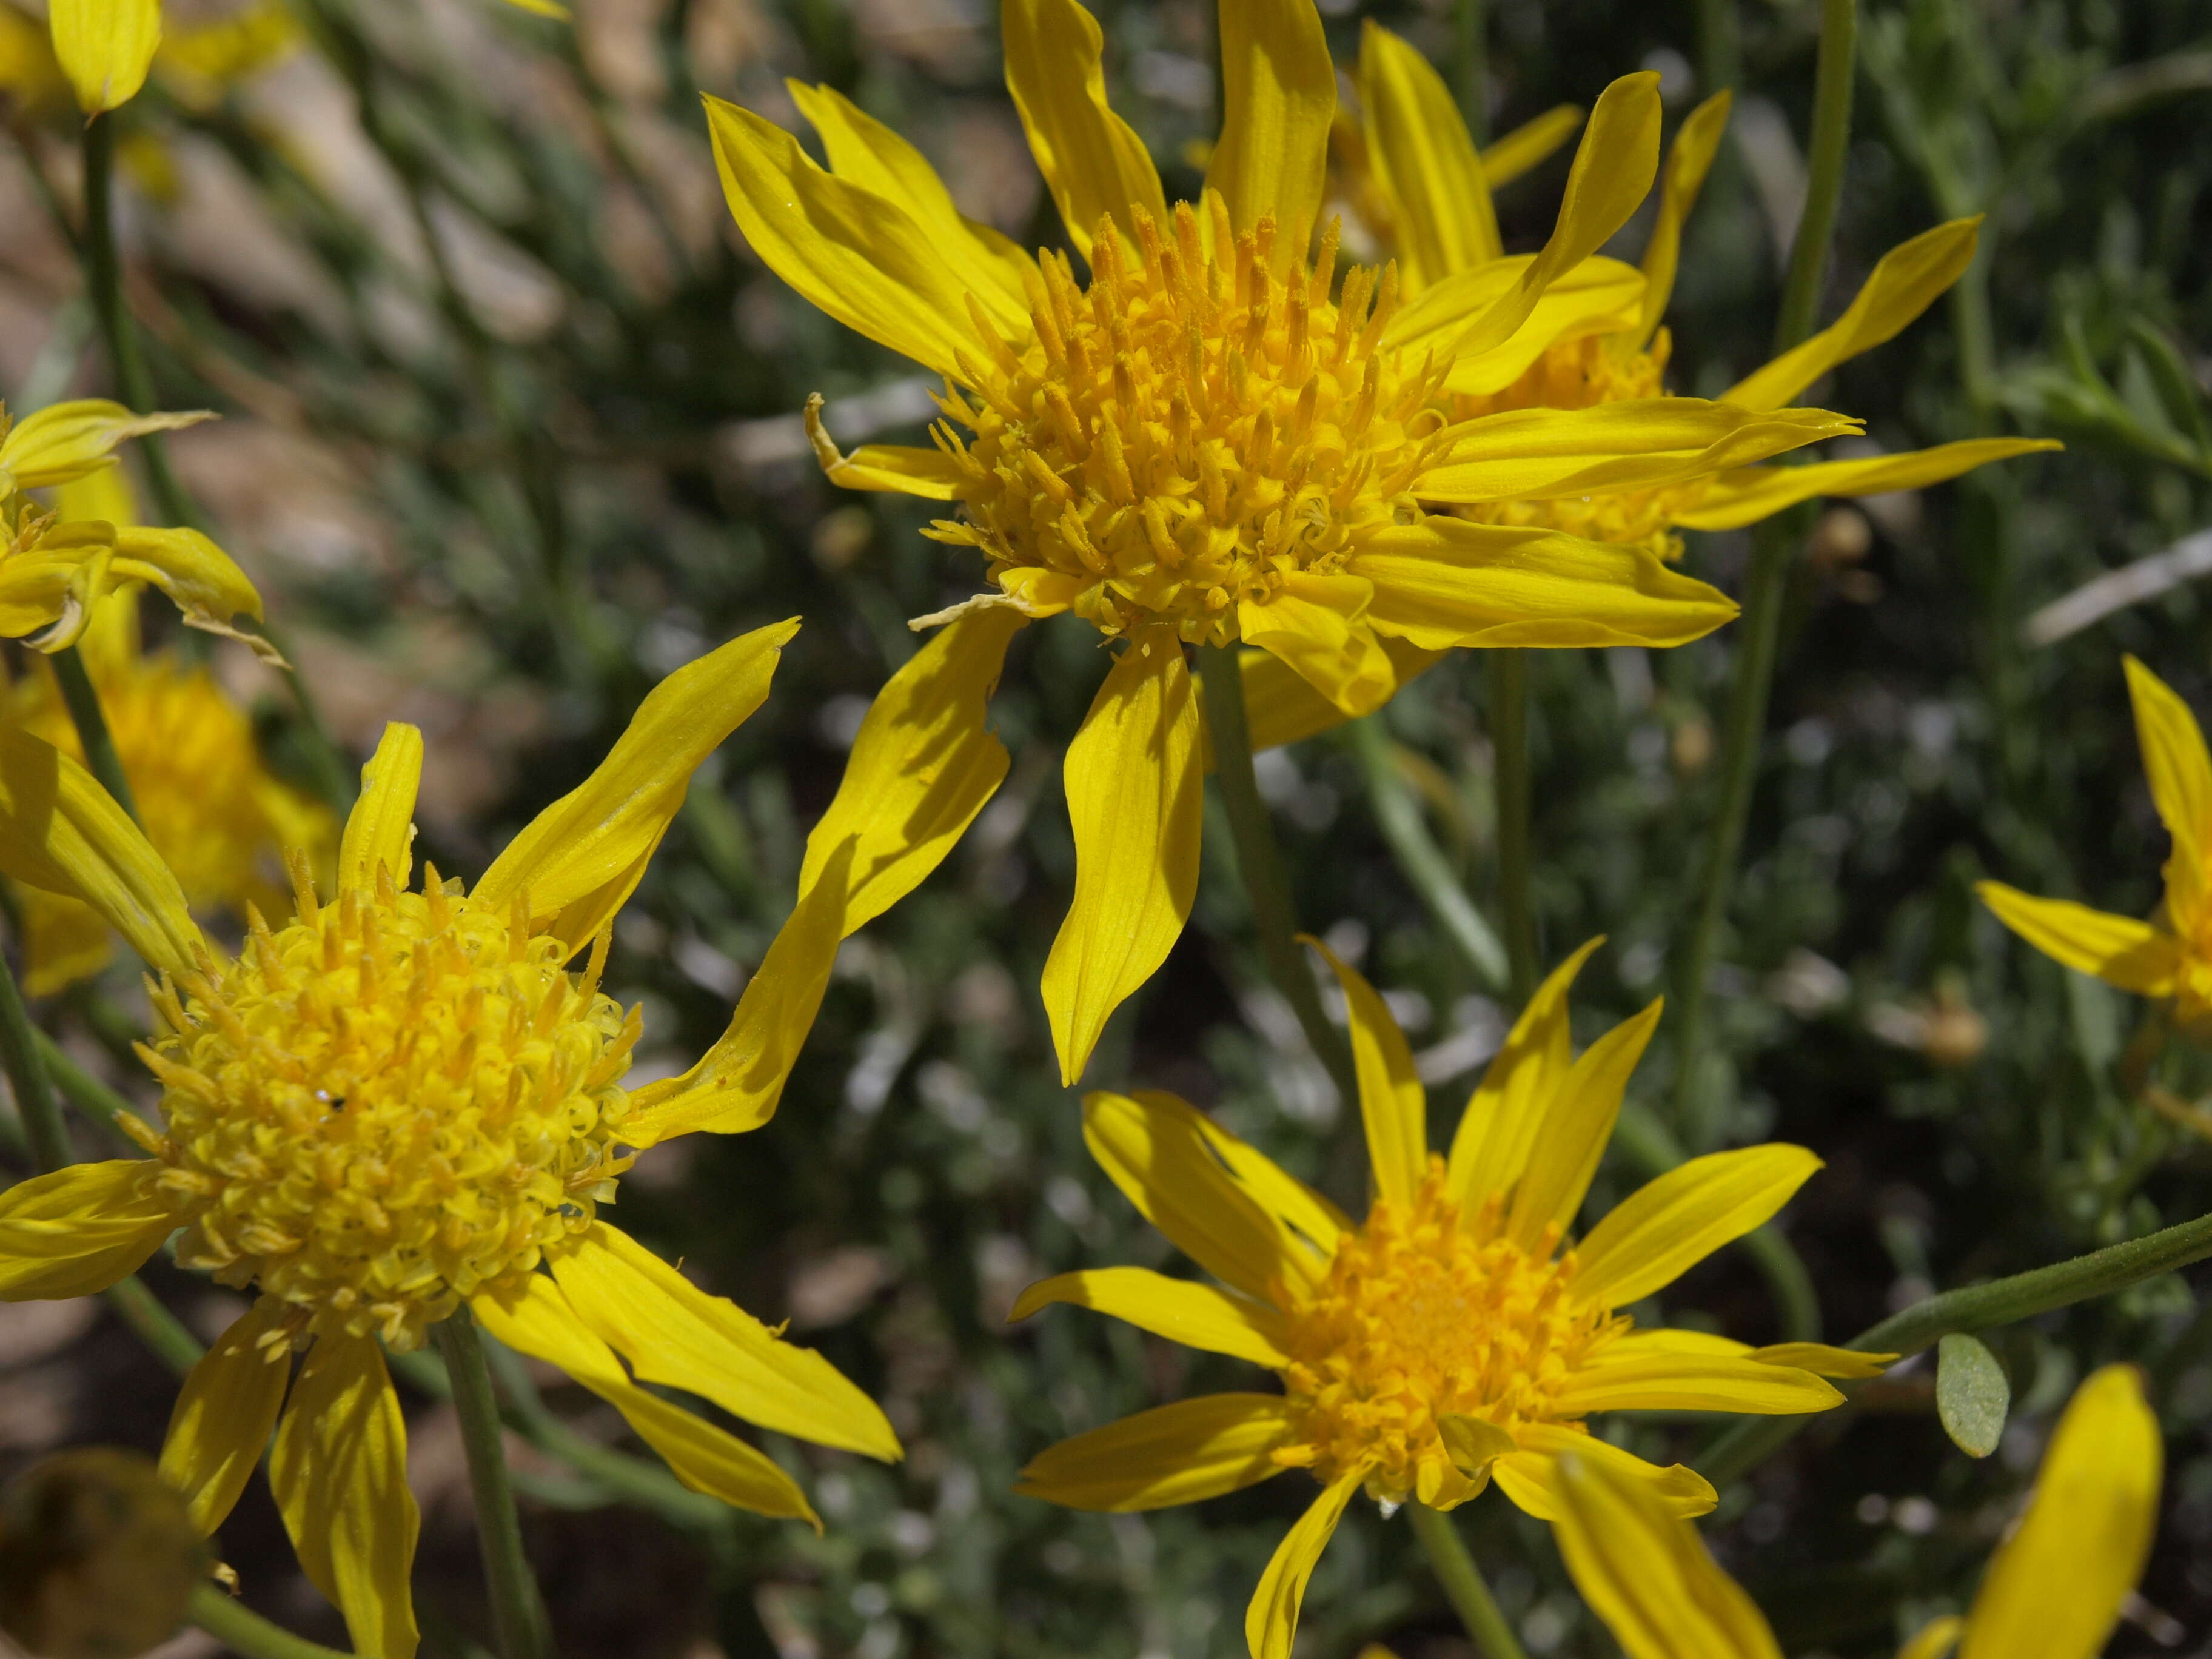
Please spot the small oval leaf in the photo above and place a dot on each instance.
(1971, 1394)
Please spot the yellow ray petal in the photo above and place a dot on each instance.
(1934, 1639)
(1279, 96)
(1598, 296)
(1744, 497)
(1687, 163)
(201, 581)
(216, 55)
(224, 1416)
(339, 1472)
(1317, 623)
(1133, 797)
(65, 441)
(1173, 1454)
(737, 1084)
(2180, 775)
(379, 831)
(1392, 1105)
(2119, 949)
(1490, 1149)
(1282, 706)
(77, 1229)
(1822, 1361)
(61, 831)
(857, 256)
(1219, 1201)
(1646, 1573)
(2055, 1587)
(581, 857)
(1425, 161)
(1571, 1138)
(1530, 1476)
(1695, 1383)
(105, 48)
(63, 942)
(1905, 284)
(1196, 1315)
(672, 1332)
(1527, 145)
(922, 767)
(1092, 161)
(1271, 1622)
(533, 1317)
(1665, 1228)
(1444, 582)
(929, 473)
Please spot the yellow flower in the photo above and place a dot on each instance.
(1452, 1338)
(53, 568)
(2169, 958)
(404, 1102)
(2053, 1589)
(1208, 440)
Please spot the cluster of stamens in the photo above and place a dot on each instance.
(1190, 429)
(1427, 1312)
(397, 1101)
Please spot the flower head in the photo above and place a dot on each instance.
(2054, 1588)
(2170, 957)
(405, 1100)
(1453, 1337)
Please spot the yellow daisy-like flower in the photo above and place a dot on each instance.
(53, 568)
(1452, 1338)
(403, 1102)
(2053, 1589)
(2170, 957)
(1206, 439)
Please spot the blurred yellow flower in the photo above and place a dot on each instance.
(2170, 957)
(1210, 439)
(2053, 1589)
(404, 1102)
(1449, 1339)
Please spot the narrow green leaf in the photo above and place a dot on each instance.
(1971, 1394)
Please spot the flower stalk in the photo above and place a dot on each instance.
(518, 1621)
(241, 1629)
(1398, 815)
(1508, 739)
(1463, 1583)
(81, 699)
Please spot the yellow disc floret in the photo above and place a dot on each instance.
(1425, 1313)
(399, 1100)
(1189, 429)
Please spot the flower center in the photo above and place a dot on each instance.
(399, 1099)
(1190, 429)
(1424, 1314)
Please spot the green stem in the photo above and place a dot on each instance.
(241, 1629)
(1773, 545)
(1462, 1580)
(91, 732)
(1265, 885)
(79, 1087)
(1978, 1308)
(1508, 739)
(518, 1615)
(27, 1076)
(1719, 46)
(1398, 815)
(153, 1324)
(1471, 67)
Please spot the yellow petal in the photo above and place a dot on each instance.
(2054, 1589)
(198, 577)
(1092, 161)
(929, 473)
(1734, 499)
(77, 1229)
(379, 831)
(1317, 623)
(533, 1317)
(2180, 775)
(1935, 1639)
(1221, 1202)
(1425, 163)
(216, 55)
(1282, 706)
(1278, 97)
(60, 830)
(339, 1472)
(1687, 163)
(1392, 1105)
(2119, 949)
(1196, 1315)
(581, 857)
(1665, 1228)
(1694, 1382)
(1490, 1149)
(63, 942)
(1905, 284)
(1473, 1443)
(1133, 797)
(1271, 1622)
(922, 767)
(737, 1084)
(1646, 1573)
(857, 256)
(225, 1414)
(1598, 296)
(1572, 1136)
(1530, 1476)
(105, 46)
(1173, 1454)
(1444, 582)
(552, 9)
(1823, 1360)
(1529, 144)
(672, 1332)
(65, 441)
